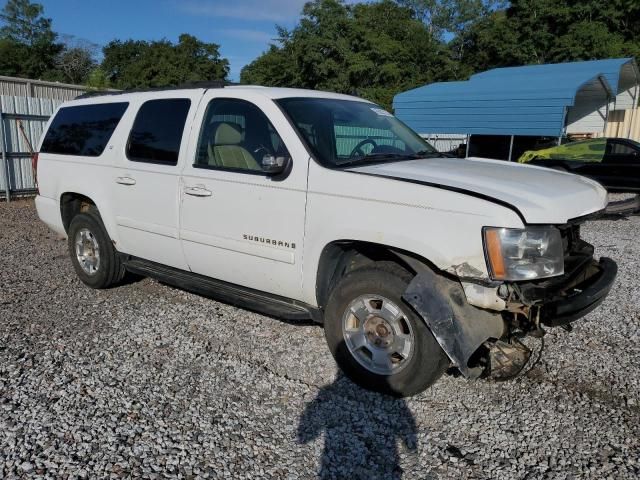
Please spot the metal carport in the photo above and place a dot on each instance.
(537, 100)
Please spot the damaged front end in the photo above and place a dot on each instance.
(480, 325)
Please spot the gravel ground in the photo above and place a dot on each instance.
(146, 380)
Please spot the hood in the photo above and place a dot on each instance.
(540, 195)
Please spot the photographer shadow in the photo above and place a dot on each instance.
(362, 430)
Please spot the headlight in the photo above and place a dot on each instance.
(523, 253)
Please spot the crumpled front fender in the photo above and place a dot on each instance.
(459, 327)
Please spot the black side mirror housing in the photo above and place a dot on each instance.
(272, 165)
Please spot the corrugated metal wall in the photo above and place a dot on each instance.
(33, 114)
(30, 103)
(22, 87)
(444, 142)
(623, 123)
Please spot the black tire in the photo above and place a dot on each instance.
(110, 271)
(423, 368)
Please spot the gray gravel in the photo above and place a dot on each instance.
(146, 380)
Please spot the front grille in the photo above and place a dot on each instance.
(577, 252)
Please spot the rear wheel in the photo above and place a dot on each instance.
(376, 338)
(93, 255)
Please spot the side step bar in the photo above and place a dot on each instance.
(254, 300)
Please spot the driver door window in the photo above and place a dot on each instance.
(235, 136)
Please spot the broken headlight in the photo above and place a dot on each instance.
(523, 253)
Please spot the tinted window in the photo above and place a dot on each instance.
(157, 131)
(236, 135)
(617, 148)
(83, 130)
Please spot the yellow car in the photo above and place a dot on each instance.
(614, 162)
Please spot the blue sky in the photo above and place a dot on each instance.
(243, 28)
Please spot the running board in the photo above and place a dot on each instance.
(254, 300)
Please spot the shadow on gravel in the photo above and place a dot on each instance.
(362, 430)
(613, 217)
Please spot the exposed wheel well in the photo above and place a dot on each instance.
(71, 204)
(343, 256)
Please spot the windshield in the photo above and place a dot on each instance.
(345, 133)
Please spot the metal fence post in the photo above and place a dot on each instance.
(511, 148)
(5, 160)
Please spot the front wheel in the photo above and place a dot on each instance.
(376, 338)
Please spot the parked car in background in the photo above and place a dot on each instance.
(414, 262)
(614, 162)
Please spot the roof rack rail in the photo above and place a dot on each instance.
(195, 84)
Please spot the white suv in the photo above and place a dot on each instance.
(313, 205)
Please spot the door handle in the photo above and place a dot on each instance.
(198, 191)
(125, 181)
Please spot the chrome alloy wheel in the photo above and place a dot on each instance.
(378, 334)
(87, 251)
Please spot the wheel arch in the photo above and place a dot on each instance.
(74, 202)
(343, 256)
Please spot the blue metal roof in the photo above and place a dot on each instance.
(530, 100)
(609, 68)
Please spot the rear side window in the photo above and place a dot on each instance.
(157, 131)
(84, 130)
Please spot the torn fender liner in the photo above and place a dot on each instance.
(459, 328)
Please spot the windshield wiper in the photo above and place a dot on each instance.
(428, 154)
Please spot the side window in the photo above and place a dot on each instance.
(617, 148)
(236, 135)
(84, 130)
(157, 131)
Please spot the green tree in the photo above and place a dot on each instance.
(28, 46)
(545, 31)
(453, 20)
(24, 23)
(98, 79)
(370, 49)
(139, 64)
(452, 17)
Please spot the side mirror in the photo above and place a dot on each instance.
(272, 165)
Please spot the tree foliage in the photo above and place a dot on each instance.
(373, 49)
(137, 63)
(378, 48)
(28, 46)
(370, 49)
(544, 31)
(24, 23)
(78, 59)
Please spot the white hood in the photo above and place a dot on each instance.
(540, 194)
